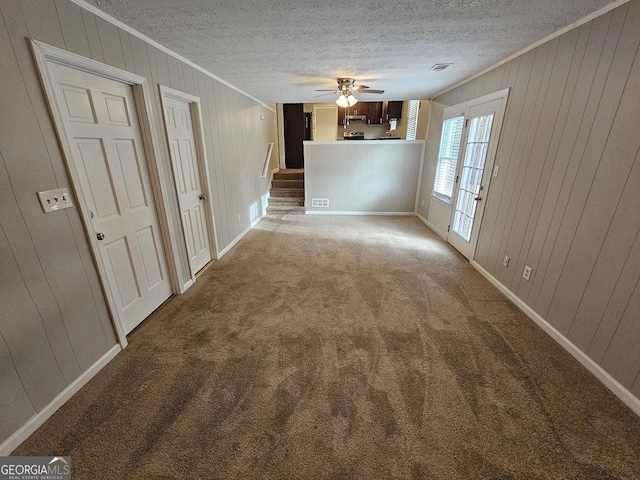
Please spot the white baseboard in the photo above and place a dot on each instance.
(11, 443)
(320, 212)
(611, 383)
(239, 237)
(431, 226)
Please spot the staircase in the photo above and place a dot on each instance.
(287, 192)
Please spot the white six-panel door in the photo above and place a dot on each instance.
(102, 125)
(191, 196)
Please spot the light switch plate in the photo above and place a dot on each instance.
(54, 200)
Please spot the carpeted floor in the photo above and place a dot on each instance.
(342, 348)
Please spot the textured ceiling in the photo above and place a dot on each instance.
(280, 51)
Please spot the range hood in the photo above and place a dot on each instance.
(356, 118)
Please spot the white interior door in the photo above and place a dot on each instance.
(473, 173)
(326, 123)
(191, 196)
(102, 126)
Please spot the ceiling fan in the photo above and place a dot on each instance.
(346, 89)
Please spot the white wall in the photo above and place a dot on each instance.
(423, 119)
(566, 201)
(434, 129)
(54, 322)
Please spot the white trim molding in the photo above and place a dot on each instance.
(11, 443)
(123, 26)
(611, 383)
(357, 213)
(423, 155)
(239, 237)
(546, 39)
(432, 227)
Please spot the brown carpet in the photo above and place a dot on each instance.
(342, 348)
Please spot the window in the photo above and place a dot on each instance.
(448, 157)
(412, 119)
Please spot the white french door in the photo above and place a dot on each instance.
(189, 180)
(473, 173)
(102, 129)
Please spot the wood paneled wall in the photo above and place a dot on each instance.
(54, 322)
(567, 200)
(363, 176)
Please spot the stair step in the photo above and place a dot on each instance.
(287, 192)
(284, 201)
(288, 209)
(287, 183)
(283, 175)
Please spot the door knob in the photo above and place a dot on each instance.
(202, 196)
(100, 236)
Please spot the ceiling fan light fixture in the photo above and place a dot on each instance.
(346, 100)
(342, 101)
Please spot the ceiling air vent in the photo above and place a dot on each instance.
(438, 67)
(320, 202)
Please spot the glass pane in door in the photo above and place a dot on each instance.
(471, 174)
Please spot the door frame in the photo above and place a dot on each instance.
(492, 153)
(195, 109)
(43, 54)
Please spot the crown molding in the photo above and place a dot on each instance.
(555, 34)
(105, 16)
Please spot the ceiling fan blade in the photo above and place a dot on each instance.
(326, 90)
(371, 91)
(358, 88)
(324, 94)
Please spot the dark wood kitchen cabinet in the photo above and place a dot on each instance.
(393, 110)
(372, 110)
(360, 108)
(375, 113)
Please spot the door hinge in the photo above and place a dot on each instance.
(466, 123)
(448, 228)
(457, 176)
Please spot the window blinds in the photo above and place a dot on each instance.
(412, 119)
(448, 156)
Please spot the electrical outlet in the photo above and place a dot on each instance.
(238, 218)
(505, 262)
(527, 272)
(423, 202)
(54, 200)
